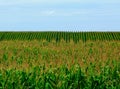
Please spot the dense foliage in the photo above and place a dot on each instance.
(61, 78)
(59, 60)
(67, 36)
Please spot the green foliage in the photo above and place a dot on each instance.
(57, 36)
(72, 66)
(59, 78)
(5, 56)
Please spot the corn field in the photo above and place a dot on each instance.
(59, 60)
(67, 36)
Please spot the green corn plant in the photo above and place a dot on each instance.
(5, 56)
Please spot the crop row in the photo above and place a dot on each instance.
(67, 36)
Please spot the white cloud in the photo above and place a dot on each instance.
(80, 12)
(48, 13)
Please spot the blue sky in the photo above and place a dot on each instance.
(59, 15)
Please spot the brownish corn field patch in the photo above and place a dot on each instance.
(59, 65)
(26, 54)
